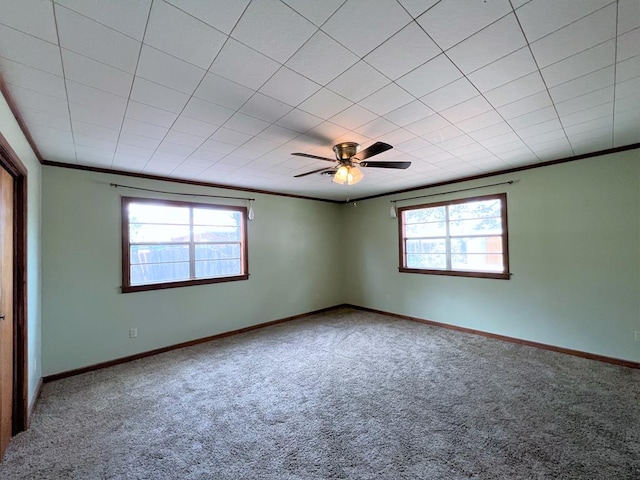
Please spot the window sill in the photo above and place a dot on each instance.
(184, 283)
(458, 273)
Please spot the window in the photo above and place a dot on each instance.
(169, 244)
(466, 237)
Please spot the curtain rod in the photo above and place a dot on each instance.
(180, 193)
(454, 191)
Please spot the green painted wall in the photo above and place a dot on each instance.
(574, 235)
(12, 133)
(87, 319)
(575, 257)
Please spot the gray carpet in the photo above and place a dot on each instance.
(341, 395)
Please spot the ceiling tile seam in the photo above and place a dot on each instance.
(253, 160)
(391, 81)
(589, 121)
(361, 58)
(585, 75)
(219, 126)
(275, 122)
(491, 103)
(35, 123)
(56, 3)
(555, 108)
(32, 35)
(584, 95)
(518, 78)
(32, 67)
(95, 60)
(615, 76)
(282, 65)
(463, 160)
(37, 92)
(367, 53)
(578, 53)
(66, 91)
(532, 166)
(126, 108)
(620, 70)
(469, 80)
(526, 46)
(523, 4)
(320, 26)
(395, 34)
(572, 22)
(191, 96)
(569, 81)
(474, 86)
(409, 13)
(143, 43)
(196, 18)
(481, 30)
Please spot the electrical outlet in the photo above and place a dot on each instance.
(637, 333)
(133, 332)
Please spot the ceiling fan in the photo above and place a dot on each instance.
(348, 160)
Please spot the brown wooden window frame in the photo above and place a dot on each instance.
(505, 275)
(126, 246)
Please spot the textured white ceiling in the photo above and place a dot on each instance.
(224, 91)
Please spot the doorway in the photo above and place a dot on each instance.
(6, 309)
(13, 295)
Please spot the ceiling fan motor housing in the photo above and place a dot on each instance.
(344, 151)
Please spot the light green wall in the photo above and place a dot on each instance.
(574, 252)
(574, 235)
(11, 131)
(291, 247)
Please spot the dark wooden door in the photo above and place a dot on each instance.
(6, 308)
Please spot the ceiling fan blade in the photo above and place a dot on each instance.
(401, 165)
(374, 149)
(312, 172)
(314, 156)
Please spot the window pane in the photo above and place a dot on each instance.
(476, 245)
(212, 233)
(159, 253)
(145, 213)
(481, 209)
(213, 252)
(426, 246)
(422, 215)
(212, 216)
(477, 261)
(437, 229)
(480, 226)
(218, 268)
(159, 272)
(143, 233)
(425, 260)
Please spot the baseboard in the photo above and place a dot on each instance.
(495, 336)
(190, 343)
(137, 356)
(34, 402)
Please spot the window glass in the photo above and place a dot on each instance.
(465, 237)
(168, 244)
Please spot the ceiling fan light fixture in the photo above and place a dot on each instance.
(347, 174)
(341, 175)
(354, 176)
